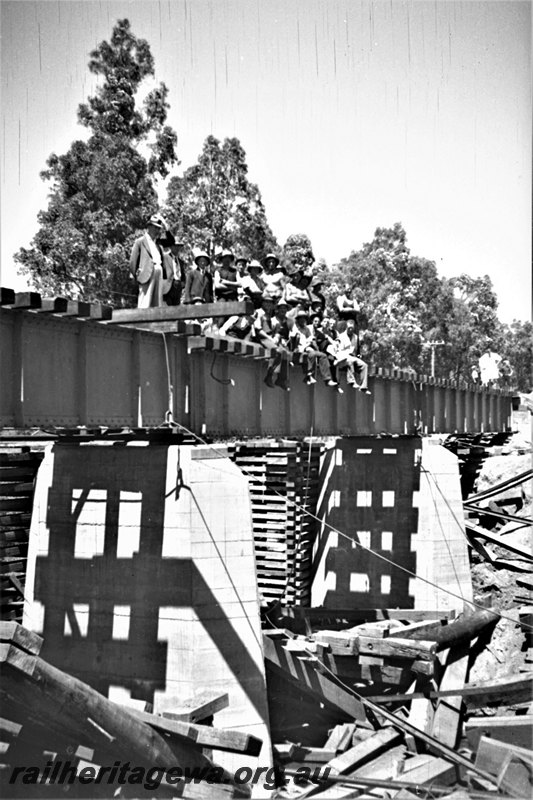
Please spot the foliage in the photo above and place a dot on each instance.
(103, 189)
(517, 349)
(297, 252)
(405, 305)
(215, 205)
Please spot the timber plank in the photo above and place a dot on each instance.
(397, 648)
(21, 637)
(364, 751)
(309, 680)
(448, 713)
(513, 730)
(181, 312)
(514, 689)
(512, 765)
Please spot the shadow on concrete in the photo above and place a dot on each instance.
(369, 497)
(145, 582)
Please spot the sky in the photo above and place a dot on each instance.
(353, 114)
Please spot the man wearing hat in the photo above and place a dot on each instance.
(146, 264)
(198, 284)
(252, 283)
(226, 278)
(273, 276)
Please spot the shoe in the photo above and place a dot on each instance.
(310, 380)
(340, 391)
(353, 386)
(366, 391)
(332, 383)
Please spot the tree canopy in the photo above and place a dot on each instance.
(215, 205)
(298, 252)
(406, 305)
(103, 189)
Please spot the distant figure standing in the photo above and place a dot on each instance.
(489, 364)
(146, 264)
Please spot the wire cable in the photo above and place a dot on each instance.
(333, 529)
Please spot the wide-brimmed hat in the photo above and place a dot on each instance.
(282, 302)
(227, 254)
(201, 254)
(157, 221)
(301, 313)
(268, 256)
(254, 264)
(238, 259)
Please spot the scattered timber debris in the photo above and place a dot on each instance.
(385, 707)
(51, 718)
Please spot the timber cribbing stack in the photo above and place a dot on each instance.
(284, 483)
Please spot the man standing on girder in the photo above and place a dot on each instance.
(146, 264)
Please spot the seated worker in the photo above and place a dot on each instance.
(279, 362)
(302, 340)
(198, 283)
(296, 292)
(263, 318)
(146, 264)
(347, 357)
(273, 276)
(252, 282)
(226, 278)
(239, 326)
(325, 343)
(347, 305)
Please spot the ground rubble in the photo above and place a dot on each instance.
(427, 740)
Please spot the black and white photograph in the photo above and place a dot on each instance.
(266, 399)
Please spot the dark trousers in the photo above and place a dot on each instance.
(278, 370)
(314, 359)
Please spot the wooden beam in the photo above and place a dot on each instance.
(446, 722)
(27, 300)
(514, 730)
(516, 689)
(200, 311)
(512, 765)
(79, 704)
(462, 629)
(21, 637)
(199, 707)
(364, 751)
(7, 296)
(301, 672)
(477, 530)
(203, 735)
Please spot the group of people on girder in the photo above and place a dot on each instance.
(289, 309)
